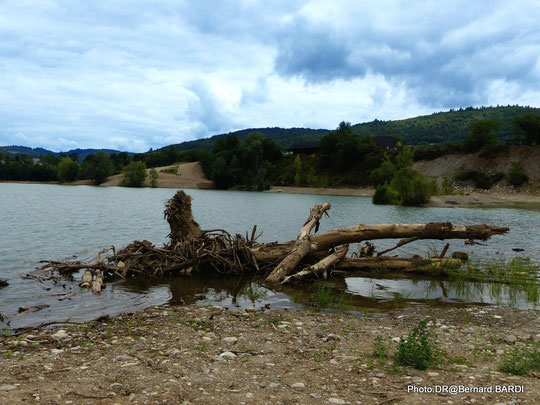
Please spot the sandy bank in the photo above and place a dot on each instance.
(213, 356)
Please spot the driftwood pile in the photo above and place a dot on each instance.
(310, 256)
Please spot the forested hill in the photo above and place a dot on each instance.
(442, 127)
(286, 137)
(37, 152)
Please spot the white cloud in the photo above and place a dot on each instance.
(131, 75)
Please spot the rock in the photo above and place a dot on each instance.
(335, 401)
(396, 339)
(497, 316)
(536, 338)
(60, 335)
(332, 336)
(116, 385)
(433, 374)
(298, 386)
(124, 357)
(333, 362)
(56, 351)
(273, 385)
(228, 355)
(8, 387)
(230, 340)
(250, 309)
(211, 335)
(316, 396)
(511, 339)
(172, 352)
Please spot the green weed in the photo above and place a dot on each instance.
(521, 361)
(419, 349)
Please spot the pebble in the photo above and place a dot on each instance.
(227, 355)
(432, 373)
(250, 309)
(124, 357)
(56, 351)
(273, 385)
(60, 335)
(497, 316)
(231, 340)
(8, 387)
(510, 339)
(396, 339)
(172, 352)
(335, 401)
(313, 395)
(298, 386)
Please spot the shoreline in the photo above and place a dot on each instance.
(207, 355)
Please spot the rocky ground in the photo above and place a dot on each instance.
(209, 355)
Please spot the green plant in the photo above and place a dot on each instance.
(521, 361)
(134, 174)
(419, 349)
(254, 292)
(170, 170)
(379, 348)
(385, 195)
(448, 187)
(516, 175)
(153, 177)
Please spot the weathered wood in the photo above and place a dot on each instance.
(360, 233)
(302, 246)
(97, 284)
(392, 263)
(320, 268)
(86, 280)
(180, 218)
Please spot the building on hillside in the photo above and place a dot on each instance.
(385, 142)
(306, 149)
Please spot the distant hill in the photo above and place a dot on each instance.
(37, 152)
(441, 127)
(444, 127)
(286, 137)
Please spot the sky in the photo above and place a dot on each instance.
(139, 74)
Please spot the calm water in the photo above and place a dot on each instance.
(42, 222)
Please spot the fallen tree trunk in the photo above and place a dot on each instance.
(194, 250)
(320, 268)
(302, 246)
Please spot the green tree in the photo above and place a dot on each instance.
(297, 171)
(67, 170)
(134, 174)
(482, 133)
(97, 167)
(153, 177)
(526, 128)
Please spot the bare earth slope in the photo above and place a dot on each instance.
(450, 165)
(190, 175)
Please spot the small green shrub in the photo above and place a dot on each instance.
(170, 170)
(448, 187)
(385, 195)
(516, 175)
(492, 151)
(419, 349)
(521, 361)
(480, 179)
(380, 348)
(153, 177)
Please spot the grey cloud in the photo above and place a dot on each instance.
(443, 61)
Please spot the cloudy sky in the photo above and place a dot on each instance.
(135, 74)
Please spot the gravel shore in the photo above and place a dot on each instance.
(209, 355)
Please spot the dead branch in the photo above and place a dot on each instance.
(320, 268)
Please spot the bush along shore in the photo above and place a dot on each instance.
(210, 355)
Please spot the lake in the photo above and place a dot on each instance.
(53, 222)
